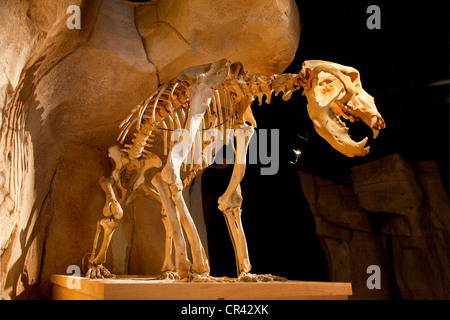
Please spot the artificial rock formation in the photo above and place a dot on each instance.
(391, 214)
(63, 93)
(263, 35)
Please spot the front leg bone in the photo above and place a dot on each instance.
(173, 229)
(230, 205)
(234, 224)
(200, 96)
(230, 202)
(200, 263)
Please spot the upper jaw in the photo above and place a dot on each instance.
(362, 107)
(328, 124)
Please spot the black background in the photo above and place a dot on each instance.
(397, 63)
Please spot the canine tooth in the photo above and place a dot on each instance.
(374, 121)
(375, 133)
(363, 142)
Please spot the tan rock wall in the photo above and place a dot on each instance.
(63, 93)
(263, 35)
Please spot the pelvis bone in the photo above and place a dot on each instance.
(334, 90)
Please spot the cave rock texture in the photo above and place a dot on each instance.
(63, 93)
(391, 214)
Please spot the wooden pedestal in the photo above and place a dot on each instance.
(147, 288)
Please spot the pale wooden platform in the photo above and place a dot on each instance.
(146, 288)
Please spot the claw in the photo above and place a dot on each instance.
(204, 277)
(250, 277)
(98, 272)
(169, 275)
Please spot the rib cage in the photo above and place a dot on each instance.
(166, 110)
